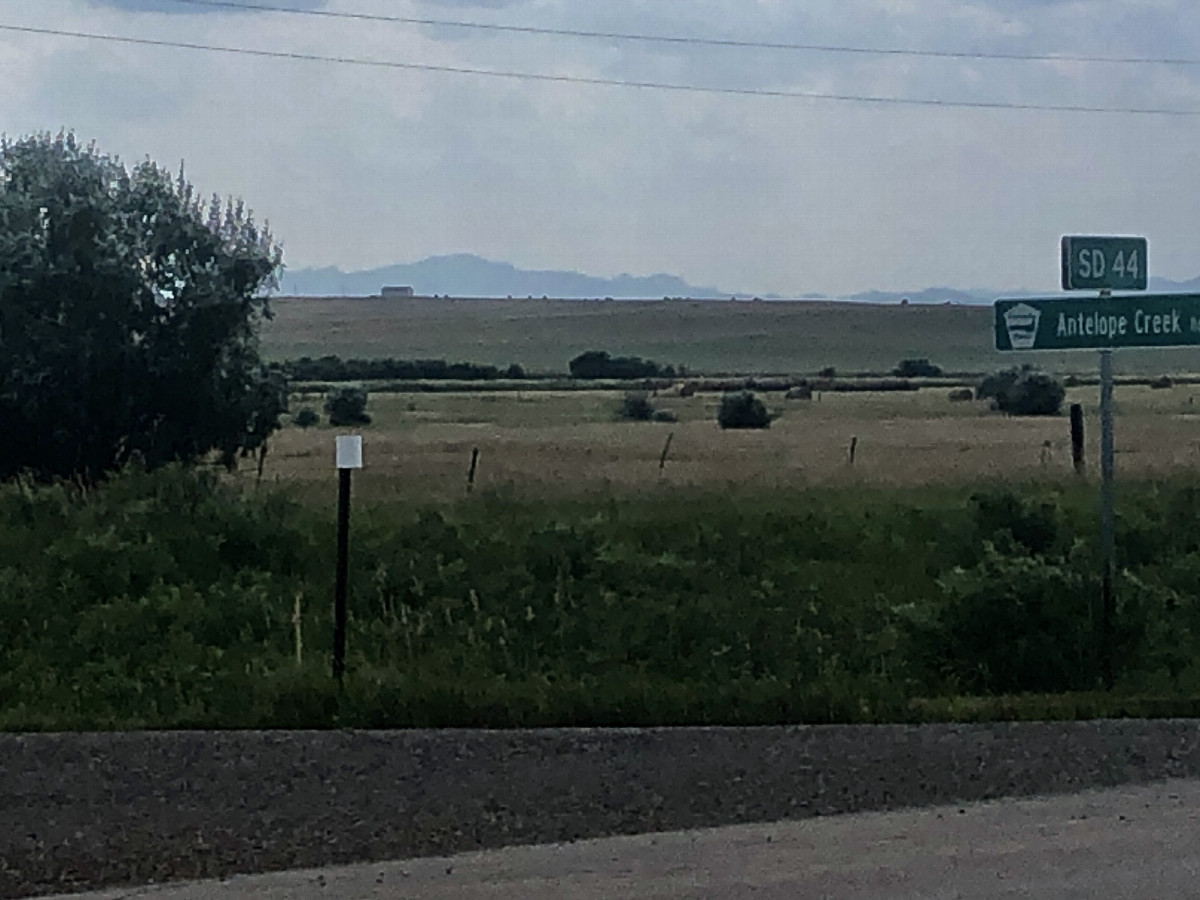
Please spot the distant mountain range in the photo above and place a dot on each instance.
(466, 275)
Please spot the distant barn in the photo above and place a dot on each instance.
(402, 290)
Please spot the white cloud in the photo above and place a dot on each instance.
(359, 166)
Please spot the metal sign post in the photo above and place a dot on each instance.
(348, 458)
(1092, 262)
(1107, 519)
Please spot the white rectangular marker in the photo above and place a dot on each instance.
(349, 451)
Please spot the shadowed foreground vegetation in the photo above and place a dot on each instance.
(171, 600)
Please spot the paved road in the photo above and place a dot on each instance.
(1137, 842)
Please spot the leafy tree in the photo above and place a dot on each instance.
(128, 316)
(347, 406)
(599, 364)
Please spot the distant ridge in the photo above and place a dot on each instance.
(466, 275)
(1166, 285)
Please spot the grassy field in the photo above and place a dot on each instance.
(171, 600)
(759, 577)
(549, 443)
(948, 572)
(710, 337)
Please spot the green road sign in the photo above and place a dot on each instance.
(1069, 323)
(1093, 263)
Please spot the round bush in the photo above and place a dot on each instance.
(347, 406)
(1033, 394)
(743, 410)
(636, 407)
(306, 418)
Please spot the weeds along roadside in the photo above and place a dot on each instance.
(171, 600)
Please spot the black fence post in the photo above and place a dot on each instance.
(348, 458)
(1077, 437)
(339, 596)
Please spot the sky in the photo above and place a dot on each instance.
(360, 167)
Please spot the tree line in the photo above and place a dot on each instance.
(334, 368)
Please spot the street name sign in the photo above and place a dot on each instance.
(1094, 262)
(1068, 323)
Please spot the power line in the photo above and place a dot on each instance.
(709, 42)
(610, 82)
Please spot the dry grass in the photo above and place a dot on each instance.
(555, 444)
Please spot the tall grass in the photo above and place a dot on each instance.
(170, 600)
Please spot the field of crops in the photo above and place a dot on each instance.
(703, 336)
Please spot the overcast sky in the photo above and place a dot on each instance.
(359, 167)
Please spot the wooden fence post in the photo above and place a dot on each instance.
(662, 460)
(471, 473)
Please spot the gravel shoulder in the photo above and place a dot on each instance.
(85, 811)
(1135, 841)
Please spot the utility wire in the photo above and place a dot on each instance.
(708, 42)
(609, 82)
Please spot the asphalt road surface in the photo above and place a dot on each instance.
(1140, 842)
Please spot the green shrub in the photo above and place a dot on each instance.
(1032, 394)
(743, 410)
(1013, 624)
(306, 417)
(636, 407)
(1023, 391)
(1005, 518)
(347, 406)
(998, 382)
